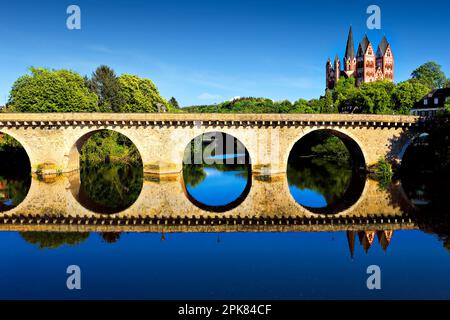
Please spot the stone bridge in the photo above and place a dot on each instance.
(53, 140)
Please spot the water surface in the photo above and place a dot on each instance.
(231, 263)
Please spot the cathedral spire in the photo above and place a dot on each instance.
(351, 236)
(350, 49)
(336, 59)
(363, 45)
(384, 44)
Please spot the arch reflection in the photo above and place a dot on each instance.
(423, 183)
(216, 172)
(110, 178)
(326, 172)
(15, 173)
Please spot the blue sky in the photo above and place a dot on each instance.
(203, 52)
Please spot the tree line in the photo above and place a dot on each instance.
(63, 90)
(379, 97)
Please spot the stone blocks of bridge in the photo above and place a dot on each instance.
(53, 141)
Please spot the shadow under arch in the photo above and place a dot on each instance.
(73, 156)
(409, 141)
(114, 173)
(15, 172)
(424, 188)
(225, 148)
(357, 182)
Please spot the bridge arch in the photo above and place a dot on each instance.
(72, 156)
(407, 144)
(121, 188)
(23, 143)
(15, 179)
(224, 143)
(355, 147)
(174, 143)
(348, 196)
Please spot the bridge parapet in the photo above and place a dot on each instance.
(179, 119)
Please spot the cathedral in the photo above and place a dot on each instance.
(365, 65)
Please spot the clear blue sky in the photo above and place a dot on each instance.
(203, 52)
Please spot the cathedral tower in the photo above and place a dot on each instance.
(337, 69)
(365, 62)
(365, 65)
(350, 57)
(385, 60)
(330, 74)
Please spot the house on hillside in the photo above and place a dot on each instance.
(429, 105)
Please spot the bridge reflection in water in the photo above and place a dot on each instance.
(163, 206)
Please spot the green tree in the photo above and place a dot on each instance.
(300, 106)
(447, 107)
(106, 86)
(140, 95)
(344, 91)
(375, 97)
(51, 91)
(447, 83)
(316, 105)
(284, 106)
(328, 103)
(245, 105)
(109, 146)
(331, 148)
(431, 75)
(304, 106)
(406, 94)
(174, 103)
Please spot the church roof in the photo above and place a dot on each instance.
(384, 44)
(350, 49)
(364, 44)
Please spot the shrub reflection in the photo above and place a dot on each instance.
(15, 173)
(110, 188)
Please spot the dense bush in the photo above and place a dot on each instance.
(140, 95)
(51, 91)
(383, 172)
(109, 146)
(53, 240)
